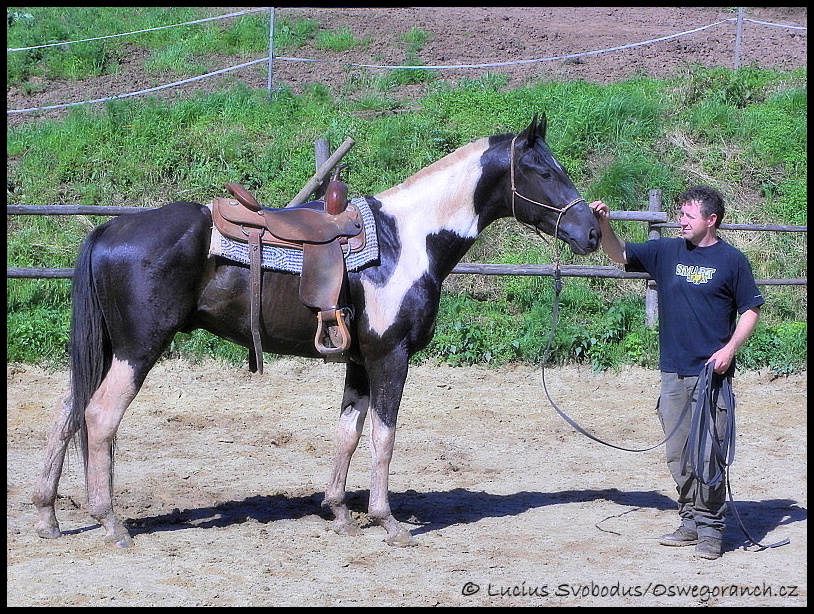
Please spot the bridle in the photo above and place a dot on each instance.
(561, 211)
(515, 194)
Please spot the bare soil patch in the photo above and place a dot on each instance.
(476, 35)
(220, 475)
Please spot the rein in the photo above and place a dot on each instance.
(703, 431)
(566, 417)
(555, 308)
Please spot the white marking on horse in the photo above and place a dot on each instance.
(445, 192)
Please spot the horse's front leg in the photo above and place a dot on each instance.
(387, 385)
(382, 438)
(45, 492)
(355, 404)
(102, 417)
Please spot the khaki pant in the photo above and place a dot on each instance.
(700, 507)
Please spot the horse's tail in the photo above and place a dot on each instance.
(90, 349)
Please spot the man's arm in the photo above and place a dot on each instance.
(743, 329)
(614, 247)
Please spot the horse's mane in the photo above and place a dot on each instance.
(462, 153)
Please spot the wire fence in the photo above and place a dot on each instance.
(464, 268)
(270, 58)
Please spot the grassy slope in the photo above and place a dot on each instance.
(743, 132)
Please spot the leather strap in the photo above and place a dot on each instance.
(554, 318)
(708, 453)
(255, 277)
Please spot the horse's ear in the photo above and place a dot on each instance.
(535, 130)
(542, 125)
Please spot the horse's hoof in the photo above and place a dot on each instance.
(48, 532)
(401, 539)
(347, 528)
(119, 541)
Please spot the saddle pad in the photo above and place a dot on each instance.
(290, 260)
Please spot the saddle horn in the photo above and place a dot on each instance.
(336, 194)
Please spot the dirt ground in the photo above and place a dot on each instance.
(221, 474)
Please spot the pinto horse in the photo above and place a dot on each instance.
(142, 277)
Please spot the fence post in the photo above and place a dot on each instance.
(651, 301)
(322, 151)
(271, 50)
(738, 34)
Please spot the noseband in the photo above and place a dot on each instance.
(515, 194)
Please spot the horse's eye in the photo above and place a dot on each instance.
(546, 175)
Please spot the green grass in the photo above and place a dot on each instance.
(744, 131)
(172, 49)
(339, 40)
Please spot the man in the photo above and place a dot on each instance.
(703, 283)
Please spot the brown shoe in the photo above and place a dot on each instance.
(708, 548)
(683, 536)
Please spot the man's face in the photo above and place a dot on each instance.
(694, 226)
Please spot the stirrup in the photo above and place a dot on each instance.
(331, 327)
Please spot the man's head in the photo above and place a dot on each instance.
(710, 201)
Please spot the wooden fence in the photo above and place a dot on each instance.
(654, 217)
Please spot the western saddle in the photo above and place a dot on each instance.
(324, 230)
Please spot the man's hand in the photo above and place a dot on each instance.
(743, 329)
(613, 246)
(601, 210)
(723, 358)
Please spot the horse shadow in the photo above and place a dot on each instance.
(436, 510)
(433, 511)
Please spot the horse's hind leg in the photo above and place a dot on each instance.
(102, 417)
(45, 492)
(355, 404)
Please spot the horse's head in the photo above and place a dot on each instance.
(542, 194)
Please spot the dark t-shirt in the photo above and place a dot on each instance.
(701, 291)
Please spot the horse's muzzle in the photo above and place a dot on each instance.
(579, 228)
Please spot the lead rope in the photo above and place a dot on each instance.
(555, 309)
(566, 417)
(704, 441)
(722, 455)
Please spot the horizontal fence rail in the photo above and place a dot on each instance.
(473, 268)
(655, 219)
(464, 268)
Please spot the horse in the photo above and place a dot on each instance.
(142, 277)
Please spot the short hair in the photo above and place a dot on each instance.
(712, 201)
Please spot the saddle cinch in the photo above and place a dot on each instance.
(324, 230)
